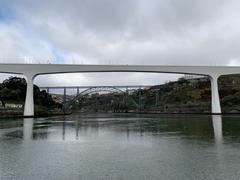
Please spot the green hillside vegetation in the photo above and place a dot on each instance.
(230, 92)
(13, 91)
(182, 96)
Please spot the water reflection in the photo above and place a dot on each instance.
(77, 128)
(188, 126)
(40, 129)
(27, 129)
(63, 129)
(130, 147)
(217, 128)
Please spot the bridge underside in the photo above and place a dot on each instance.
(215, 101)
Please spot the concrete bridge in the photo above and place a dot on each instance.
(30, 71)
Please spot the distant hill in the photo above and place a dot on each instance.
(182, 96)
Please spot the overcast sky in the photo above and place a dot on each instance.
(163, 32)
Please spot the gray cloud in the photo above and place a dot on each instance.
(121, 32)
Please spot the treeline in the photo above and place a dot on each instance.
(102, 103)
(193, 95)
(13, 90)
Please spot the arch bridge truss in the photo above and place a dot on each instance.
(120, 90)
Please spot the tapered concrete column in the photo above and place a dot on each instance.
(29, 103)
(64, 95)
(156, 99)
(216, 108)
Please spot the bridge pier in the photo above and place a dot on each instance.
(156, 98)
(64, 95)
(29, 102)
(77, 91)
(127, 94)
(216, 107)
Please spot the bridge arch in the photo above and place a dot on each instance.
(91, 90)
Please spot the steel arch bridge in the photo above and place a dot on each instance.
(91, 90)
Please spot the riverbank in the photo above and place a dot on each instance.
(18, 113)
(167, 109)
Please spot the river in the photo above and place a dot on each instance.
(121, 146)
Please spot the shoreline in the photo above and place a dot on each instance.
(19, 114)
(7, 116)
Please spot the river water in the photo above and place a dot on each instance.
(121, 146)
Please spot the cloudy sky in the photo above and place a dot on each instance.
(163, 32)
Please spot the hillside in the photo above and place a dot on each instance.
(182, 96)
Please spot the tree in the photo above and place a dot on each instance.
(13, 89)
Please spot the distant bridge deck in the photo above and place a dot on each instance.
(86, 87)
